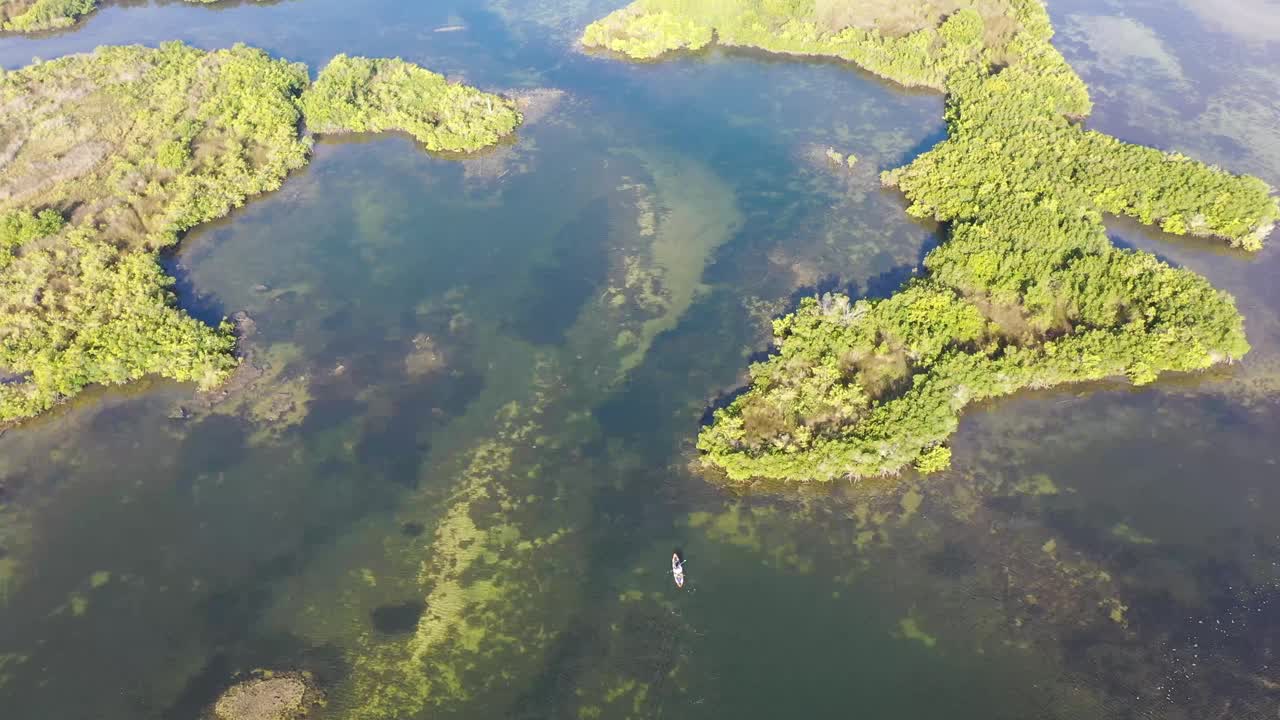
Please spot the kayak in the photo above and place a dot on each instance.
(677, 569)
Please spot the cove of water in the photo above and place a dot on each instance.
(456, 485)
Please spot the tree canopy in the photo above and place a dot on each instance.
(355, 94)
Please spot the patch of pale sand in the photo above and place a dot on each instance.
(425, 357)
(1248, 112)
(1120, 42)
(1253, 20)
(537, 103)
(698, 213)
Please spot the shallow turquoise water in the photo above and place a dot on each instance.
(525, 342)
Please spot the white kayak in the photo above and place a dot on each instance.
(677, 569)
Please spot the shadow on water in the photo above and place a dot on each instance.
(952, 560)
(645, 643)
(394, 443)
(877, 287)
(1129, 234)
(205, 307)
(397, 619)
(927, 143)
(202, 689)
(557, 289)
(229, 620)
(281, 651)
(228, 612)
(214, 444)
(552, 692)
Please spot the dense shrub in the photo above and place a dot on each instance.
(355, 94)
(34, 15)
(79, 311)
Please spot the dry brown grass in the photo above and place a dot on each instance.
(896, 18)
(13, 8)
(83, 139)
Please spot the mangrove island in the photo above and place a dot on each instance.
(1025, 291)
(107, 158)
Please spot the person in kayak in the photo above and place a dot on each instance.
(677, 569)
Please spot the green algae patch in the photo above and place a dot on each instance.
(837, 159)
(911, 500)
(1035, 485)
(9, 663)
(479, 571)
(1116, 611)
(910, 630)
(672, 213)
(267, 389)
(635, 666)
(1026, 292)
(284, 407)
(690, 213)
(78, 603)
(1129, 534)
(754, 528)
(8, 578)
(356, 94)
(112, 155)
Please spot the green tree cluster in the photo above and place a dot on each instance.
(113, 155)
(947, 35)
(76, 311)
(1027, 290)
(34, 15)
(146, 143)
(356, 94)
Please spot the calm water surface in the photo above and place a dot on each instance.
(464, 460)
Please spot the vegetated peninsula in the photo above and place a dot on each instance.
(1025, 292)
(106, 158)
(374, 95)
(36, 15)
